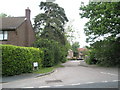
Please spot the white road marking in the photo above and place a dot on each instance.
(76, 84)
(28, 87)
(109, 73)
(112, 74)
(89, 82)
(105, 81)
(115, 80)
(58, 85)
(44, 86)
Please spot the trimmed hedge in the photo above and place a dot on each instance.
(17, 60)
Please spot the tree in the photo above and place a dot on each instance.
(69, 32)
(50, 33)
(104, 19)
(4, 15)
(75, 46)
(50, 23)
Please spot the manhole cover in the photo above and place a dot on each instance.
(53, 81)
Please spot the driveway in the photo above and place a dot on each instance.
(73, 73)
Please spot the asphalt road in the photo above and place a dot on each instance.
(75, 74)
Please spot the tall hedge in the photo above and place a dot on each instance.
(17, 60)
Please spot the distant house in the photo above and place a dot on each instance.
(17, 30)
(70, 54)
(81, 54)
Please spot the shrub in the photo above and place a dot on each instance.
(63, 54)
(106, 52)
(91, 58)
(18, 60)
(48, 60)
(54, 51)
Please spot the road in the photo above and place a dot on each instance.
(73, 74)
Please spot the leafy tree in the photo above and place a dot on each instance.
(106, 52)
(69, 32)
(104, 19)
(50, 23)
(4, 15)
(50, 33)
(75, 46)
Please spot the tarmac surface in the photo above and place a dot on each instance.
(74, 74)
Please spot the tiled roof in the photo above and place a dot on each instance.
(82, 49)
(11, 23)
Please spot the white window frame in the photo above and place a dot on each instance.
(4, 35)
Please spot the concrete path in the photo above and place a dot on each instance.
(74, 73)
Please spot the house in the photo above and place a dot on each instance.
(81, 53)
(17, 30)
(70, 54)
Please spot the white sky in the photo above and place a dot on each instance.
(17, 8)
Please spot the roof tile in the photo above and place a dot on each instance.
(11, 23)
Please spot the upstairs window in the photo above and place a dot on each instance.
(3, 35)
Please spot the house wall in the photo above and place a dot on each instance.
(22, 36)
(12, 38)
(30, 34)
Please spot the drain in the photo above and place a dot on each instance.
(53, 81)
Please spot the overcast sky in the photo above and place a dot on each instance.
(17, 8)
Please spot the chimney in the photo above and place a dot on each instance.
(27, 13)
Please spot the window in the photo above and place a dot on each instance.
(3, 35)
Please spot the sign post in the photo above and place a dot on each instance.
(35, 65)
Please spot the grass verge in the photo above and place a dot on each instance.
(47, 69)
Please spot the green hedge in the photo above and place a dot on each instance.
(17, 60)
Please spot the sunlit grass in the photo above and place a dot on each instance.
(47, 69)
(44, 70)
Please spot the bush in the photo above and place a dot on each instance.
(17, 60)
(63, 54)
(105, 52)
(91, 58)
(54, 51)
(48, 60)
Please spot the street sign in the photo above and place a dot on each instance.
(35, 64)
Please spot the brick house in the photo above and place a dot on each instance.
(17, 30)
(81, 53)
(70, 54)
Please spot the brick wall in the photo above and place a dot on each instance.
(22, 36)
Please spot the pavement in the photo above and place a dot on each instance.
(22, 76)
(33, 75)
